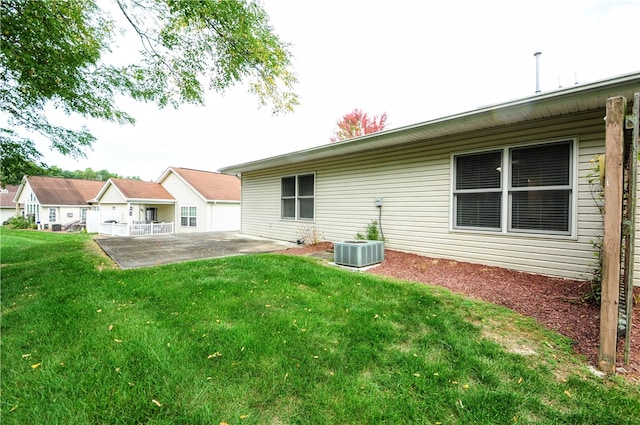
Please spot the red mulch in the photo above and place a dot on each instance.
(555, 302)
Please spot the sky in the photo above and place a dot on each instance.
(411, 59)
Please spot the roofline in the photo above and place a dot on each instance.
(222, 201)
(151, 200)
(103, 189)
(20, 189)
(455, 122)
(189, 185)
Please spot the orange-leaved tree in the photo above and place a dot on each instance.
(358, 123)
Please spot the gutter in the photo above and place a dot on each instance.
(495, 115)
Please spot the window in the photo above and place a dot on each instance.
(32, 208)
(151, 214)
(52, 215)
(188, 216)
(298, 197)
(534, 184)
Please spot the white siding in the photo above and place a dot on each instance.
(186, 197)
(117, 212)
(225, 217)
(112, 196)
(6, 214)
(414, 182)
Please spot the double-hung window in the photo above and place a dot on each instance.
(52, 215)
(188, 216)
(297, 195)
(523, 189)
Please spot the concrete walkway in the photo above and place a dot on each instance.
(146, 251)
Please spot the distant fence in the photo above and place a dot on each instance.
(137, 229)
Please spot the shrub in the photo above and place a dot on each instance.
(20, 222)
(373, 233)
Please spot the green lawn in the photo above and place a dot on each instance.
(272, 339)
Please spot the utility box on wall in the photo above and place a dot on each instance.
(358, 253)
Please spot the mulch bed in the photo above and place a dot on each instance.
(556, 303)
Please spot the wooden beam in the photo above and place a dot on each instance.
(614, 143)
(633, 195)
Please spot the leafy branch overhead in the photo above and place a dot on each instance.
(54, 54)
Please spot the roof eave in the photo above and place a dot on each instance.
(480, 118)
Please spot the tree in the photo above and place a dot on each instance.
(52, 54)
(358, 123)
(86, 174)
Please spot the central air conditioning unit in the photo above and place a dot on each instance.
(358, 253)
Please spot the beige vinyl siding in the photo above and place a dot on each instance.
(112, 196)
(414, 182)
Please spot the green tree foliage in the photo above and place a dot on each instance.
(86, 174)
(52, 54)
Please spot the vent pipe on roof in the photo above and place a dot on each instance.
(537, 55)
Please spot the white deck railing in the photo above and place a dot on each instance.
(143, 229)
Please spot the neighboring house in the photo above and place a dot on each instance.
(132, 207)
(205, 201)
(55, 200)
(502, 185)
(7, 204)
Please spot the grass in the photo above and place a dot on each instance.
(271, 339)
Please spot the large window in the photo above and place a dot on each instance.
(52, 215)
(298, 197)
(188, 216)
(533, 183)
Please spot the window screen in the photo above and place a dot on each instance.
(477, 193)
(539, 193)
(298, 197)
(541, 188)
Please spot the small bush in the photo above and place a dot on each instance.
(373, 233)
(20, 222)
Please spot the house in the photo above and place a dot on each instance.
(503, 185)
(205, 201)
(55, 201)
(131, 208)
(181, 200)
(7, 204)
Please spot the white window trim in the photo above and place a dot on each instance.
(297, 198)
(506, 197)
(53, 212)
(188, 207)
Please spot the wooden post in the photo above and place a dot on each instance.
(614, 139)
(633, 195)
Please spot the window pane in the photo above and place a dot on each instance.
(480, 171)
(305, 185)
(288, 186)
(184, 221)
(192, 222)
(288, 208)
(545, 165)
(541, 210)
(306, 208)
(478, 210)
